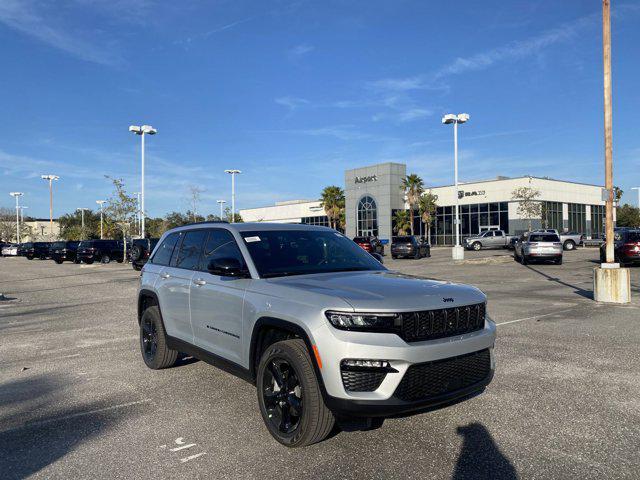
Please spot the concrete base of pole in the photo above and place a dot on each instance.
(611, 285)
(457, 253)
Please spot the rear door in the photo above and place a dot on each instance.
(217, 302)
(174, 282)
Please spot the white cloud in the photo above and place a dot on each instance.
(291, 103)
(300, 50)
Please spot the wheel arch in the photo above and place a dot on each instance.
(147, 298)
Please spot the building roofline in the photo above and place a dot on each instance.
(504, 179)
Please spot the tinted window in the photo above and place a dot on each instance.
(544, 237)
(498, 234)
(163, 254)
(190, 249)
(220, 244)
(361, 239)
(298, 252)
(633, 237)
(59, 245)
(401, 239)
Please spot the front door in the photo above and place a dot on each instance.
(217, 302)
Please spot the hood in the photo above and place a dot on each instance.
(385, 290)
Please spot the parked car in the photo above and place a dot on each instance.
(23, 248)
(141, 249)
(103, 251)
(626, 245)
(10, 250)
(538, 246)
(570, 240)
(64, 251)
(37, 250)
(285, 307)
(370, 244)
(409, 246)
(488, 239)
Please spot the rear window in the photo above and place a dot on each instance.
(633, 237)
(545, 237)
(190, 249)
(361, 239)
(401, 239)
(165, 250)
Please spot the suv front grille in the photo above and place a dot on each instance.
(431, 379)
(362, 380)
(445, 322)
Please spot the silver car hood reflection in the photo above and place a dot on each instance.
(384, 290)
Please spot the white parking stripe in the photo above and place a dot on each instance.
(186, 459)
(535, 317)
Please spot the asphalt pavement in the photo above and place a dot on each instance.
(76, 400)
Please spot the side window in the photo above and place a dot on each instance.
(190, 249)
(163, 254)
(220, 244)
(498, 233)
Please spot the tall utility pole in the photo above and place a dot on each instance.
(101, 203)
(233, 174)
(221, 202)
(17, 196)
(608, 126)
(50, 179)
(142, 131)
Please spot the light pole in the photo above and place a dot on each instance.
(17, 196)
(233, 192)
(457, 252)
(101, 203)
(637, 188)
(138, 216)
(142, 131)
(221, 202)
(50, 179)
(22, 207)
(81, 210)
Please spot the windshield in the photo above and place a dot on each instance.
(543, 238)
(58, 245)
(85, 244)
(299, 252)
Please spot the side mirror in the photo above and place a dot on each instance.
(377, 256)
(226, 267)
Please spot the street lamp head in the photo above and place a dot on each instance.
(221, 201)
(101, 202)
(449, 118)
(232, 171)
(148, 129)
(16, 194)
(463, 118)
(135, 129)
(50, 177)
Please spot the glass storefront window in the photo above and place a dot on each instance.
(367, 217)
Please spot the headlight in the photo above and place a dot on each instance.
(366, 322)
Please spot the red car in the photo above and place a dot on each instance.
(370, 244)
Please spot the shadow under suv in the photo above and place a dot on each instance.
(324, 331)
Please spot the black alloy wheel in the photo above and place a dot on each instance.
(149, 338)
(282, 396)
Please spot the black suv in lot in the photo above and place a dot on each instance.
(141, 249)
(103, 251)
(64, 250)
(409, 246)
(37, 250)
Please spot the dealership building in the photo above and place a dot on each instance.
(373, 194)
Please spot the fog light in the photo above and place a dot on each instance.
(365, 363)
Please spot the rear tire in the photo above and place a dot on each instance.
(569, 245)
(289, 395)
(559, 261)
(105, 259)
(394, 256)
(58, 261)
(153, 341)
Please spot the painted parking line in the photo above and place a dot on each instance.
(76, 415)
(535, 317)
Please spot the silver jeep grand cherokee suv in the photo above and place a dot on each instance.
(322, 329)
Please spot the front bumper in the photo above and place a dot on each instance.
(336, 345)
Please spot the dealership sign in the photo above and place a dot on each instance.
(462, 193)
(367, 179)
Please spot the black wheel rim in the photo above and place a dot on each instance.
(282, 396)
(149, 339)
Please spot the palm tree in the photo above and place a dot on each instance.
(401, 219)
(332, 200)
(413, 186)
(427, 206)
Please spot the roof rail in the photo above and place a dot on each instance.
(203, 223)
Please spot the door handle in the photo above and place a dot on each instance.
(199, 282)
(165, 276)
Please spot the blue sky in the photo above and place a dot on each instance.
(293, 93)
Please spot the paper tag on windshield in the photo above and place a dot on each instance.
(252, 239)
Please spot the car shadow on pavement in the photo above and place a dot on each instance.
(579, 291)
(480, 457)
(34, 433)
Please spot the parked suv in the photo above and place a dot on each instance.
(141, 249)
(37, 250)
(538, 246)
(370, 244)
(65, 250)
(626, 244)
(23, 248)
(409, 246)
(103, 251)
(322, 328)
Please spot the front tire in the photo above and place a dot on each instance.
(477, 246)
(105, 259)
(58, 261)
(153, 341)
(289, 395)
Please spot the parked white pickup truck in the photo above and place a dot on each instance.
(488, 239)
(570, 240)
